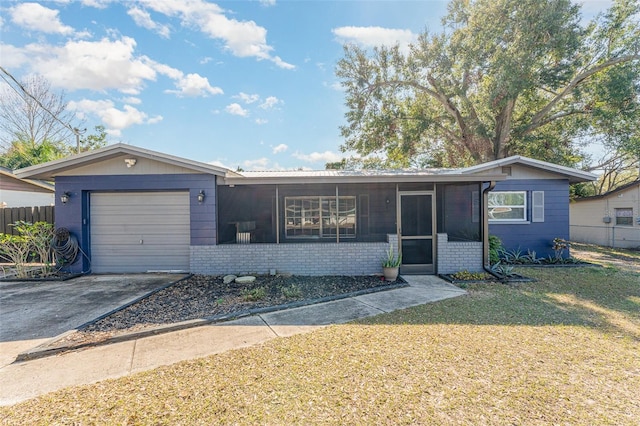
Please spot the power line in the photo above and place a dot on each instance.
(74, 130)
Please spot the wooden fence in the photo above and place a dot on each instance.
(9, 215)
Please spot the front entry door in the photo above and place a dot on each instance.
(416, 232)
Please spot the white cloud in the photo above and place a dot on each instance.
(105, 64)
(206, 60)
(247, 99)
(242, 38)
(236, 109)
(374, 36)
(98, 4)
(13, 57)
(172, 73)
(114, 119)
(142, 18)
(260, 163)
(270, 102)
(268, 2)
(316, 157)
(194, 85)
(34, 16)
(156, 119)
(132, 100)
(279, 148)
(261, 121)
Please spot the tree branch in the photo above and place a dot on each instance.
(575, 82)
(551, 119)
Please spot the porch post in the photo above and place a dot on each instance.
(485, 224)
(337, 215)
(277, 216)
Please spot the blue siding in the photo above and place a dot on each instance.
(75, 214)
(537, 236)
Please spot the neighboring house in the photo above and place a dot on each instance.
(611, 219)
(135, 210)
(530, 207)
(16, 192)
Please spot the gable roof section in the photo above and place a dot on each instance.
(7, 173)
(574, 175)
(612, 192)
(50, 169)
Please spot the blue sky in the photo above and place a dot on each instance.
(233, 83)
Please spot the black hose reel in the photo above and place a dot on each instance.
(65, 246)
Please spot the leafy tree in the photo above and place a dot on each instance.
(504, 77)
(93, 141)
(27, 153)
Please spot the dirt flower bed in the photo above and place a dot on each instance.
(203, 296)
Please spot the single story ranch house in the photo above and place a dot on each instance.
(136, 210)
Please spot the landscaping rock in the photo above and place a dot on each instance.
(227, 279)
(245, 280)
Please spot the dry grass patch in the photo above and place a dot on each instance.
(615, 257)
(564, 350)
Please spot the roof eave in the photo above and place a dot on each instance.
(39, 184)
(574, 175)
(50, 169)
(608, 194)
(285, 180)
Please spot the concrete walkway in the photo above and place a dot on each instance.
(25, 380)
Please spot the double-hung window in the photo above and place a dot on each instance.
(320, 217)
(507, 206)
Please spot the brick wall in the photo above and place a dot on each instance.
(457, 256)
(295, 258)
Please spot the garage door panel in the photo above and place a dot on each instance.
(149, 253)
(120, 221)
(133, 239)
(150, 223)
(144, 210)
(147, 229)
(172, 264)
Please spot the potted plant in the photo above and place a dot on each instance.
(390, 264)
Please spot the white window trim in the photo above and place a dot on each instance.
(322, 235)
(523, 221)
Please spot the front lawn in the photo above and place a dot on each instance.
(562, 350)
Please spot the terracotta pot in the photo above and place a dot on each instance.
(390, 274)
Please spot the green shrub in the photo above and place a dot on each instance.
(254, 294)
(32, 244)
(16, 249)
(291, 292)
(495, 247)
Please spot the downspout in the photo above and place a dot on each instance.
(486, 265)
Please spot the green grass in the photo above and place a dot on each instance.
(562, 350)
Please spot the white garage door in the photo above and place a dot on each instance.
(139, 231)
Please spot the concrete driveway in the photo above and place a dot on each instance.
(45, 309)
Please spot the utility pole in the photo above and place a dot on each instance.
(77, 132)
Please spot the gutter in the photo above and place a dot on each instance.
(486, 263)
